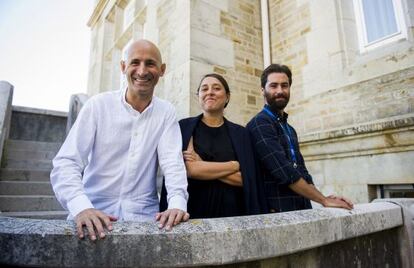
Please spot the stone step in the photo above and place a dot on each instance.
(26, 188)
(24, 145)
(13, 203)
(28, 164)
(46, 215)
(29, 155)
(13, 174)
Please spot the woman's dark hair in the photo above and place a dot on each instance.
(222, 81)
(275, 68)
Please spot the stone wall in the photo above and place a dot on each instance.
(290, 23)
(336, 87)
(173, 26)
(353, 109)
(317, 39)
(359, 136)
(195, 37)
(226, 38)
(355, 161)
(37, 125)
(380, 98)
(371, 235)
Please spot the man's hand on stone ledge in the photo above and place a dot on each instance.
(309, 191)
(337, 202)
(94, 220)
(171, 217)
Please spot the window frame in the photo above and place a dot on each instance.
(401, 33)
(385, 190)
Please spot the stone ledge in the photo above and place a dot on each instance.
(198, 242)
(388, 141)
(31, 110)
(377, 126)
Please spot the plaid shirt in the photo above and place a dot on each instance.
(272, 150)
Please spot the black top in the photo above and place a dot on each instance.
(213, 198)
(253, 192)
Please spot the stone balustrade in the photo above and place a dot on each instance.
(34, 124)
(75, 105)
(372, 235)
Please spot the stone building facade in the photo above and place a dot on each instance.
(352, 100)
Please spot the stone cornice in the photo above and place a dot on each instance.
(97, 12)
(30, 110)
(377, 126)
(386, 136)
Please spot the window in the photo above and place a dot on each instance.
(379, 22)
(392, 191)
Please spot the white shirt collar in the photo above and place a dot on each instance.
(131, 109)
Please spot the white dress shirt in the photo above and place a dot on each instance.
(118, 150)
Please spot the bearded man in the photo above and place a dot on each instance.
(288, 184)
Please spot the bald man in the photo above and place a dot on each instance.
(106, 168)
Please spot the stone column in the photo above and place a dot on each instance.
(199, 37)
(173, 22)
(6, 96)
(226, 38)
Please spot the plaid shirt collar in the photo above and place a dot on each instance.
(284, 117)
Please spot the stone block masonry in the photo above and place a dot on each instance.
(336, 86)
(375, 99)
(226, 39)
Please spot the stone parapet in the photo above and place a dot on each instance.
(286, 239)
(75, 105)
(406, 233)
(31, 110)
(32, 124)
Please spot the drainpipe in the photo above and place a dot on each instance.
(265, 33)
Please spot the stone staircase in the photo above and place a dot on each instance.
(25, 189)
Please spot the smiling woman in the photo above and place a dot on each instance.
(218, 157)
(46, 59)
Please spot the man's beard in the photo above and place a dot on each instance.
(278, 102)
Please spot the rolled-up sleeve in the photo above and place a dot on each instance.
(172, 164)
(70, 161)
(270, 152)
